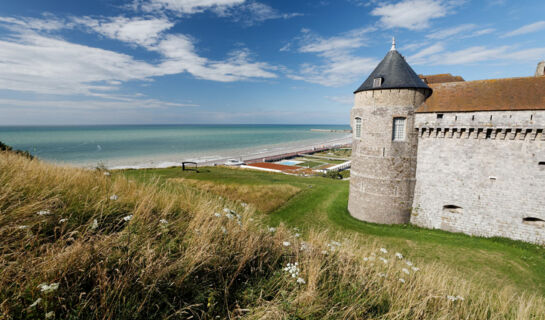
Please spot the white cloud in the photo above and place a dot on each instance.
(49, 65)
(96, 104)
(332, 45)
(251, 13)
(340, 65)
(449, 32)
(41, 64)
(49, 23)
(529, 28)
(423, 55)
(437, 55)
(413, 14)
(141, 31)
(181, 56)
(185, 6)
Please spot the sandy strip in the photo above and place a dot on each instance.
(251, 157)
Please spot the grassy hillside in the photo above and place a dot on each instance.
(322, 205)
(78, 244)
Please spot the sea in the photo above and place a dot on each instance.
(141, 146)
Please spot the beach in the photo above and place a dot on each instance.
(245, 155)
(160, 146)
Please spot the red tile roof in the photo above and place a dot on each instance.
(440, 78)
(487, 95)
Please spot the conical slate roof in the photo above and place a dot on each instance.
(395, 73)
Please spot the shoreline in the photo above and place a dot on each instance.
(250, 155)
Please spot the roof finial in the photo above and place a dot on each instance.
(393, 44)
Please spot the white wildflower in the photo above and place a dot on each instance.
(301, 281)
(401, 280)
(455, 298)
(272, 229)
(163, 221)
(35, 303)
(304, 246)
(50, 314)
(382, 274)
(223, 230)
(106, 173)
(410, 264)
(415, 269)
(335, 243)
(383, 250)
(383, 260)
(324, 252)
(244, 204)
(22, 227)
(399, 255)
(292, 269)
(43, 212)
(297, 235)
(63, 220)
(94, 225)
(114, 197)
(406, 271)
(46, 288)
(127, 218)
(365, 259)
(229, 216)
(226, 210)
(286, 243)
(217, 214)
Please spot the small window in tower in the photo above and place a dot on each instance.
(398, 132)
(377, 82)
(358, 127)
(439, 116)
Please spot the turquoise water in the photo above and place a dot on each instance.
(137, 144)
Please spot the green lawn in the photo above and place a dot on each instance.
(322, 204)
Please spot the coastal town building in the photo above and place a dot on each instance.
(444, 153)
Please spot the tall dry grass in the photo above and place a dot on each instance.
(152, 252)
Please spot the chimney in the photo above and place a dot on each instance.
(540, 71)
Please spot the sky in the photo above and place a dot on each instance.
(66, 62)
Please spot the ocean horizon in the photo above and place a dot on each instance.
(147, 145)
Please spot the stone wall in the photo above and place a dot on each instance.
(382, 175)
(482, 173)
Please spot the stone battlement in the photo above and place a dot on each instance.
(512, 133)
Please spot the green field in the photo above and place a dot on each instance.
(322, 203)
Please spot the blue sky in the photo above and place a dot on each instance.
(241, 61)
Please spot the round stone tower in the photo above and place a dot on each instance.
(384, 146)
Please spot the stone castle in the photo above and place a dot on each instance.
(444, 153)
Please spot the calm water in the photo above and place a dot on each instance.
(137, 144)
